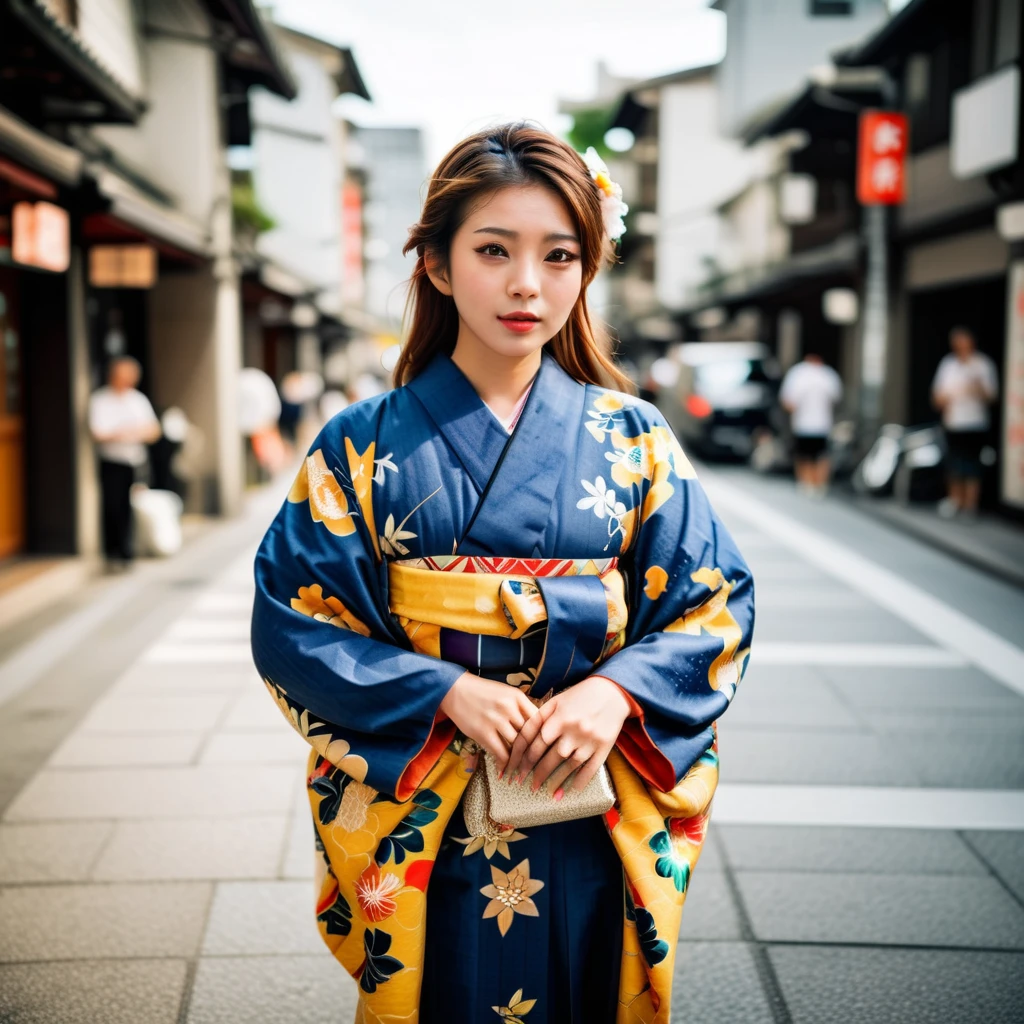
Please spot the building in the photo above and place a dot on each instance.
(294, 290)
(954, 249)
(115, 237)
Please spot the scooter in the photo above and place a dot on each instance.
(905, 462)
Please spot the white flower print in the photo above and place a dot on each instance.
(601, 500)
(382, 464)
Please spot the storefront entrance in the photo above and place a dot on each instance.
(12, 421)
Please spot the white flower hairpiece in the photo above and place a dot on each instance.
(612, 206)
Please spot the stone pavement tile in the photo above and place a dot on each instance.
(91, 750)
(253, 712)
(214, 790)
(791, 704)
(785, 677)
(855, 625)
(711, 858)
(75, 922)
(273, 990)
(899, 986)
(92, 992)
(1004, 852)
(262, 918)
(51, 852)
(121, 713)
(143, 678)
(818, 758)
(709, 911)
(300, 852)
(887, 851)
(968, 760)
(896, 722)
(280, 745)
(899, 910)
(194, 848)
(718, 981)
(933, 688)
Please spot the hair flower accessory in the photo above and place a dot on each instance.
(612, 206)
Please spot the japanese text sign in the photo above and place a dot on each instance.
(881, 158)
(41, 236)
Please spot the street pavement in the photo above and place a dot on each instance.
(865, 864)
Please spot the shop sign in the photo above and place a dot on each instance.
(122, 266)
(1012, 483)
(985, 124)
(882, 158)
(41, 236)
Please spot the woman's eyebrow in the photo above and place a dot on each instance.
(554, 236)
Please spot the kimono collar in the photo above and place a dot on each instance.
(470, 428)
(516, 508)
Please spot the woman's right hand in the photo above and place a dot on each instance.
(489, 712)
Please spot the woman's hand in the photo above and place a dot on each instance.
(490, 713)
(574, 730)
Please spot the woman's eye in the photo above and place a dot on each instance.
(492, 250)
(562, 256)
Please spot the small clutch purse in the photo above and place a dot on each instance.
(490, 801)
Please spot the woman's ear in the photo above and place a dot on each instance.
(437, 274)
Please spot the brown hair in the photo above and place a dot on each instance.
(510, 155)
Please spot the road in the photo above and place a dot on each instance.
(865, 864)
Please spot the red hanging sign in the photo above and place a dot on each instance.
(882, 158)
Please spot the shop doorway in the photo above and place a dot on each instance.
(12, 421)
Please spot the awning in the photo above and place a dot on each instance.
(157, 222)
(51, 74)
(38, 151)
(841, 256)
(253, 52)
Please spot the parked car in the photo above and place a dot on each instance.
(725, 395)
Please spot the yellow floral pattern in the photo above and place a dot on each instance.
(311, 601)
(316, 484)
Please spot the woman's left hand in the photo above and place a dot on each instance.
(573, 732)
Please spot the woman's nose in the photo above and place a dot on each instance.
(525, 280)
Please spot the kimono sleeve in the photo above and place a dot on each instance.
(691, 618)
(322, 638)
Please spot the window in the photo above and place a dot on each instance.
(831, 8)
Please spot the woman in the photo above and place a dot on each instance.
(502, 555)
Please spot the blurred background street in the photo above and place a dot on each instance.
(203, 205)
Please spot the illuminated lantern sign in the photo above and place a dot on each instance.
(122, 266)
(40, 236)
(882, 158)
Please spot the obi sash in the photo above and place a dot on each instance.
(550, 622)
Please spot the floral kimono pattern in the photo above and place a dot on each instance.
(419, 540)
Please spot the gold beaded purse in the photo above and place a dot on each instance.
(491, 803)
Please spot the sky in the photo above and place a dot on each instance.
(453, 66)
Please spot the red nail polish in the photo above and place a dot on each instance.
(501, 771)
(559, 793)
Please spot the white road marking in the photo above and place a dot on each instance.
(918, 655)
(222, 602)
(869, 807)
(222, 628)
(952, 629)
(169, 653)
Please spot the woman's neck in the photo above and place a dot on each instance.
(500, 381)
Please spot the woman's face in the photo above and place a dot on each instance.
(514, 271)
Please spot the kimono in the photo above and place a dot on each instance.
(421, 539)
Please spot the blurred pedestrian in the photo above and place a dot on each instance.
(122, 423)
(965, 386)
(810, 393)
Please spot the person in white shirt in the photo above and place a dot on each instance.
(122, 423)
(810, 393)
(965, 386)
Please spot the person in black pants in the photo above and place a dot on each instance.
(122, 422)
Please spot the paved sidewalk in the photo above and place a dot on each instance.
(157, 868)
